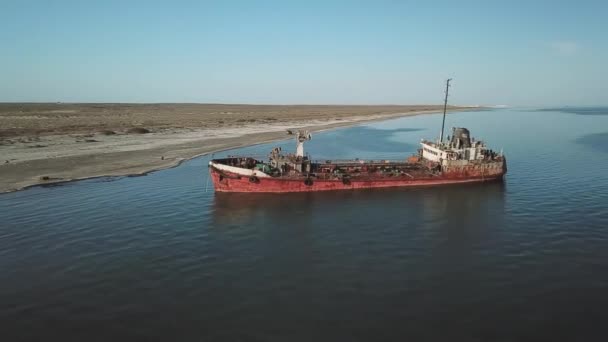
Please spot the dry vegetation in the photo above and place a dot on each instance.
(33, 119)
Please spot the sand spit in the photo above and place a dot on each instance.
(49, 143)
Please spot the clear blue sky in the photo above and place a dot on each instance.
(351, 52)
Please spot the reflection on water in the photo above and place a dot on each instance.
(363, 142)
(157, 258)
(467, 202)
(365, 139)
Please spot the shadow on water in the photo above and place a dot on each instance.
(597, 141)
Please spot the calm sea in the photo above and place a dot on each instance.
(158, 258)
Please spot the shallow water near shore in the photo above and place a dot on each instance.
(159, 258)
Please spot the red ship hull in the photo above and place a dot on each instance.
(233, 183)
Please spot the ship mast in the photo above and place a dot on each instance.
(445, 107)
(301, 137)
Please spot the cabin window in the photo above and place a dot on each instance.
(430, 151)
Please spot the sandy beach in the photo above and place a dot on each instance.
(47, 143)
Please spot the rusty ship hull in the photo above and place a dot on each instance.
(288, 185)
(324, 179)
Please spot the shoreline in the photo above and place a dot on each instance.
(142, 154)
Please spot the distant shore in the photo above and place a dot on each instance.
(50, 143)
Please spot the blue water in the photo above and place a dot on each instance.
(158, 258)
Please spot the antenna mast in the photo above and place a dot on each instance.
(445, 107)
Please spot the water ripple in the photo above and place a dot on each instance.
(158, 258)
